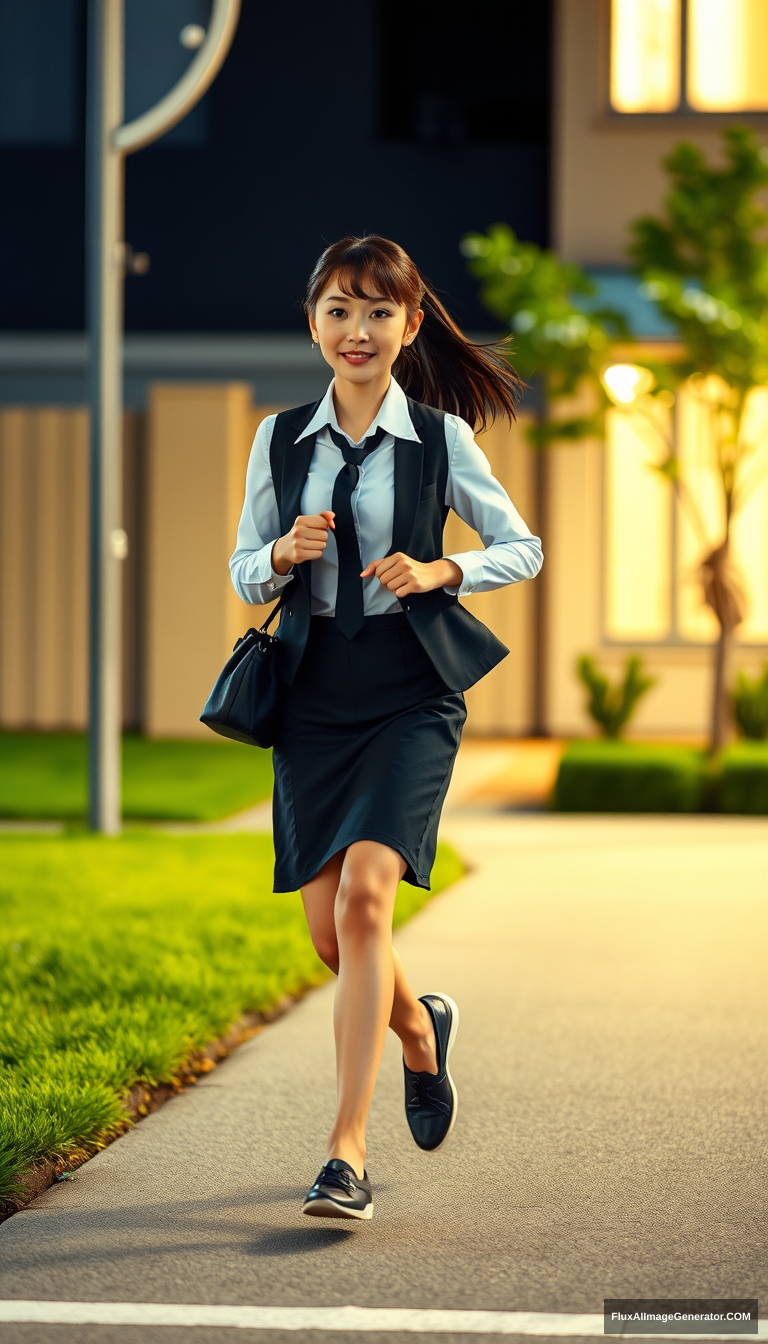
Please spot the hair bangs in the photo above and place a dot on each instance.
(367, 278)
(367, 268)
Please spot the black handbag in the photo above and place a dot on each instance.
(246, 701)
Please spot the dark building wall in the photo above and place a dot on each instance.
(402, 120)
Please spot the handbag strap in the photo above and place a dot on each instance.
(277, 607)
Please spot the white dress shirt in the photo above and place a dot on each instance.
(511, 552)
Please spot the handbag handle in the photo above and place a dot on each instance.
(277, 607)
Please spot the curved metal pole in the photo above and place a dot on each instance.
(108, 142)
(104, 192)
(198, 77)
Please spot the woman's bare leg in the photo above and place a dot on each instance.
(413, 1024)
(349, 911)
(319, 897)
(409, 1018)
(365, 989)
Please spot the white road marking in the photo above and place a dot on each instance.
(348, 1319)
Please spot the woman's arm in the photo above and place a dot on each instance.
(511, 551)
(253, 575)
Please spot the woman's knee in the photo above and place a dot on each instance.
(327, 948)
(319, 896)
(363, 905)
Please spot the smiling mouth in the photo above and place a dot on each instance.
(357, 356)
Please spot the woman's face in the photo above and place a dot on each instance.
(360, 338)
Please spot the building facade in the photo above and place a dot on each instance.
(562, 120)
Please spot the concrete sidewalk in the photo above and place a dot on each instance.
(611, 1066)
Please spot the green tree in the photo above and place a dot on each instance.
(704, 263)
(559, 336)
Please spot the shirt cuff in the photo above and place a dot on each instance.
(471, 567)
(277, 581)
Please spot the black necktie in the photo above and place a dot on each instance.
(349, 593)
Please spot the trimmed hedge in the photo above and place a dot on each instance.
(744, 779)
(611, 776)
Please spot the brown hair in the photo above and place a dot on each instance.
(442, 367)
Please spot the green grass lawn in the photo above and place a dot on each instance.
(119, 957)
(45, 775)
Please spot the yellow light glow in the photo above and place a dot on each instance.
(638, 532)
(728, 55)
(695, 447)
(641, 562)
(750, 530)
(645, 55)
(624, 383)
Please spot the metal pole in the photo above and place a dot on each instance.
(105, 265)
(107, 143)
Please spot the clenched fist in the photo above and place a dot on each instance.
(402, 575)
(306, 541)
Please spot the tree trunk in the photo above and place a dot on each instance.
(723, 595)
(719, 724)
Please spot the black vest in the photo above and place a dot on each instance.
(461, 648)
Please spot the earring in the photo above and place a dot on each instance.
(314, 342)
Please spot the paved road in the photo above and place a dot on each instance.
(611, 1065)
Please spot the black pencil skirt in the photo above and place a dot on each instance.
(367, 741)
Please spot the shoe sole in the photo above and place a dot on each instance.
(326, 1208)
(451, 1038)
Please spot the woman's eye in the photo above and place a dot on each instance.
(381, 312)
(337, 312)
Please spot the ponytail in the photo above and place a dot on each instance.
(444, 369)
(441, 368)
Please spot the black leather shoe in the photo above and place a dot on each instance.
(338, 1192)
(431, 1100)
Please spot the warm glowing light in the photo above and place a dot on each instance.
(642, 564)
(638, 569)
(749, 535)
(750, 531)
(645, 55)
(697, 458)
(624, 383)
(728, 55)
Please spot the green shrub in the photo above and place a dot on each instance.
(611, 707)
(629, 777)
(744, 779)
(750, 705)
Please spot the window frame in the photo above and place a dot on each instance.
(683, 115)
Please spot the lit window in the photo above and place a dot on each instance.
(645, 55)
(694, 619)
(727, 56)
(654, 550)
(750, 533)
(638, 534)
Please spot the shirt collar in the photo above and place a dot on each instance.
(393, 415)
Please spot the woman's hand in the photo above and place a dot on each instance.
(402, 575)
(306, 541)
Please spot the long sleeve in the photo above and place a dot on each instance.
(251, 564)
(511, 551)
